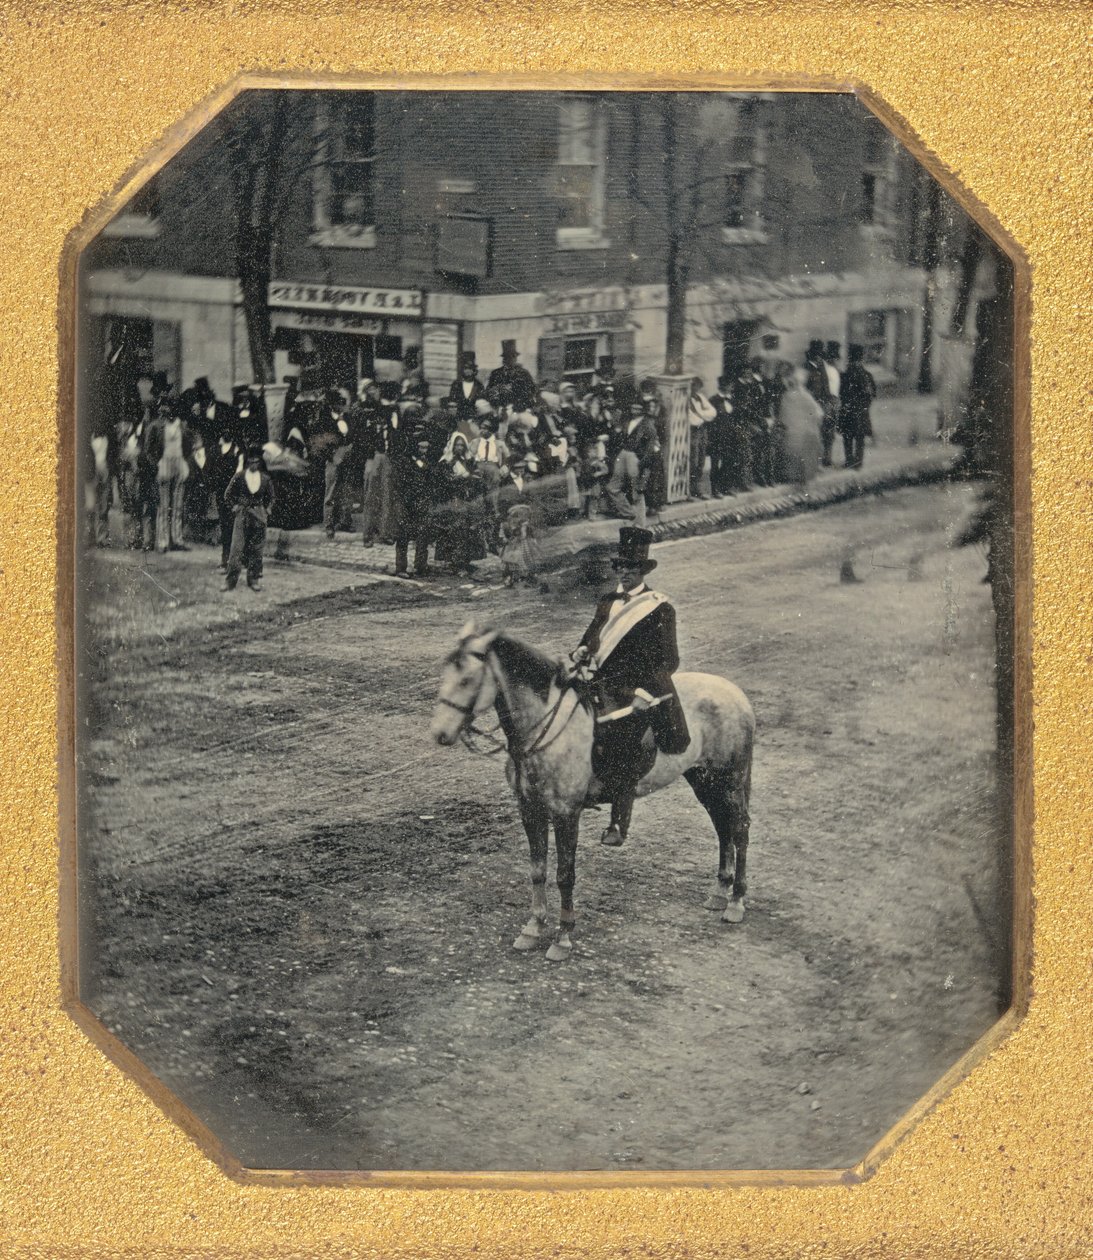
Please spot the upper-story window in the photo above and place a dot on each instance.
(878, 181)
(140, 216)
(745, 178)
(580, 172)
(344, 179)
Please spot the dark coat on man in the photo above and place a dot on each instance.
(464, 403)
(646, 657)
(513, 385)
(416, 486)
(856, 394)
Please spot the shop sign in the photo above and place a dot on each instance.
(591, 301)
(587, 321)
(332, 321)
(401, 302)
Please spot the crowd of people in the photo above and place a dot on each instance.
(484, 467)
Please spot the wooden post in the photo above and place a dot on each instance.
(675, 391)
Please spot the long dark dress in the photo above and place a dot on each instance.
(460, 516)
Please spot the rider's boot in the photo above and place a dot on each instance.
(621, 808)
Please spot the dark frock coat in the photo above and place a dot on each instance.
(646, 657)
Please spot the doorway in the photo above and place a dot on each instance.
(736, 339)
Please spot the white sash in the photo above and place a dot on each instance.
(624, 619)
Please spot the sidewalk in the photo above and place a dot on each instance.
(906, 453)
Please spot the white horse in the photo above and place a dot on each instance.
(548, 728)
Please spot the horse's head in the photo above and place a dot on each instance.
(468, 686)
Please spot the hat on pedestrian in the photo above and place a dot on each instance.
(833, 349)
(855, 353)
(815, 349)
(508, 351)
(159, 383)
(634, 546)
(254, 451)
(606, 364)
(467, 360)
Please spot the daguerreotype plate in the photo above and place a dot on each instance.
(545, 663)
(380, 394)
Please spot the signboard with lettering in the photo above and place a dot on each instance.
(333, 321)
(463, 245)
(587, 321)
(439, 355)
(402, 303)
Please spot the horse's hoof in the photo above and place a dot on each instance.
(716, 901)
(558, 952)
(734, 912)
(612, 838)
(525, 942)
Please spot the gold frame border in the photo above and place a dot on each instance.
(1021, 928)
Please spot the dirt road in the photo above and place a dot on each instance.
(300, 913)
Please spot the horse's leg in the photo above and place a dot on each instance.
(537, 825)
(565, 842)
(737, 800)
(712, 797)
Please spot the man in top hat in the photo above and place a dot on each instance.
(248, 416)
(858, 391)
(466, 391)
(629, 653)
(512, 383)
(818, 385)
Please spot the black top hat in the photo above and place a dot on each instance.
(833, 349)
(634, 548)
(159, 383)
(467, 359)
(606, 364)
(855, 353)
(202, 385)
(508, 350)
(815, 348)
(254, 451)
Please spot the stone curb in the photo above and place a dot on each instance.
(562, 546)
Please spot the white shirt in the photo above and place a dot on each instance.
(832, 379)
(700, 411)
(487, 450)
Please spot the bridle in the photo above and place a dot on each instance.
(468, 731)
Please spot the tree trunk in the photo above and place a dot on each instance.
(259, 158)
(676, 270)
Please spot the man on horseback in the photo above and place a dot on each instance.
(627, 657)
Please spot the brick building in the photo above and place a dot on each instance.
(405, 227)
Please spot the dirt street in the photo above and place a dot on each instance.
(299, 912)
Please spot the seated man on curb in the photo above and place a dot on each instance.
(628, 654)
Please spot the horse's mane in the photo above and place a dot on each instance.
(524, 664)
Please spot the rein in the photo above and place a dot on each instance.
(539, 743)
